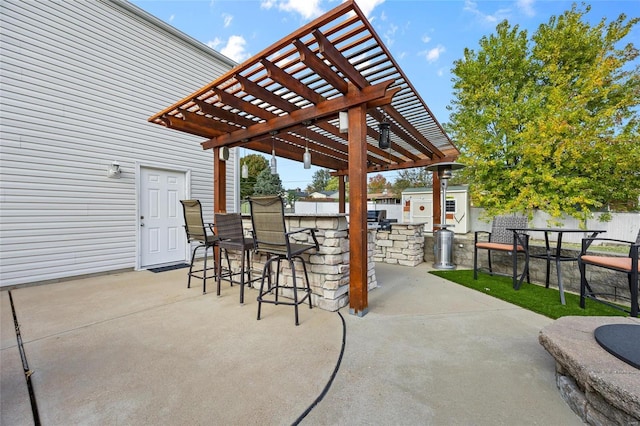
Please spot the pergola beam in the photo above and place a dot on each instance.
(334, 56)
(323, 70)
(223, 114)
(283, 78)
(323, 109)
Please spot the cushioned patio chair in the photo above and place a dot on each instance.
(271, 238)
(202, 233)
(628, 265)
(501, 239)
(231, 235)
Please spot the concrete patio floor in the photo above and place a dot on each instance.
(140, 348)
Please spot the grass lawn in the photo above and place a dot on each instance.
(536, 298)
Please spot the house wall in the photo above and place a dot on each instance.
(79, 81)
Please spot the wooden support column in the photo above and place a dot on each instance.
(342, 199)
(219, 183)
(437, 207)
(358, 247)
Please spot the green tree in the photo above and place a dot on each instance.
(256, 163)
(268, 184)
(411, 178)
(551, 122)
(332, 184)
(291, 196)
(319, 181)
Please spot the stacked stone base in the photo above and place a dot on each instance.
(598, 387)
(403, 244)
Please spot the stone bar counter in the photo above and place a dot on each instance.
(328, 268)
(403, 244)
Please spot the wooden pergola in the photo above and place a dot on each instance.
(289, 97)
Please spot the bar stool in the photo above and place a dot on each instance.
(231, 237)
(202, 233)
(272, 238)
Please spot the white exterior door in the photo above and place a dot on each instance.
(162, 236)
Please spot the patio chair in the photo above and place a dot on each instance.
(231, 237)
(501, 238)
(272, 239)
(628, 265)
(203, 234)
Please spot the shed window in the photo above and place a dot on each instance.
(450, 206)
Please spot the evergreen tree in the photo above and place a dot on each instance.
(268, 184)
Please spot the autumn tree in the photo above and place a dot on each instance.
(551, 122)
(256, 163)
(377, 184)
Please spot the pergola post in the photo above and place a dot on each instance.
(358, 247)
(342, 199)
(219, 183)
(437, 207)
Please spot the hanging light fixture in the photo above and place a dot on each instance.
(273, 163)
(245, 171)
(245, 167)
(306, 157)
(384, 141)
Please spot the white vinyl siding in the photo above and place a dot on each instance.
(79, 80)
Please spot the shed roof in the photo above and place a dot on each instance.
(429, 189)
(289, 96)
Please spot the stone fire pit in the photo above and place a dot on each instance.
(599, 387)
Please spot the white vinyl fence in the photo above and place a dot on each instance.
(623, 226)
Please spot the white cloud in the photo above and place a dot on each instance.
(308, 9)
(367, 6)
(227, 19)
(426, 39)
(234, 49)
(492, 19)
(526, 7)
(171, 18)
(214, 43)
(433, 55)
(388, 35)
(267, 4)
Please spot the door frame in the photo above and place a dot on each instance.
(187, 191)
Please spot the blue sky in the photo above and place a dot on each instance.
(424, 36)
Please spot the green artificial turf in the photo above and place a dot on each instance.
(536, 298)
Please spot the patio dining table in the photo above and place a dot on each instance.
(550, 253)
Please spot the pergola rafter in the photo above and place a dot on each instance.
(289, 96)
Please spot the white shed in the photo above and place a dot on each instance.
(418, 207)
(66, 65)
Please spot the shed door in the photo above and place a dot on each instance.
(162, 236)
(422, 211)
